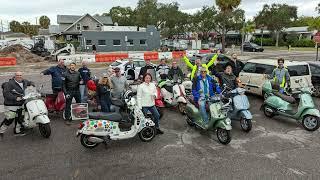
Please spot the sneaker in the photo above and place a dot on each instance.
(159, 131)
(21, 133)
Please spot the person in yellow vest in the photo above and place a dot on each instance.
(281, 76)
(197, 66)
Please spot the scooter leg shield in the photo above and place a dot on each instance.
(42, 119)
(223, 125)
(246, 114)
(313, 112)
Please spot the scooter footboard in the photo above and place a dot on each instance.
(246, 114)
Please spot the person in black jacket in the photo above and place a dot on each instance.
(71, 90)
(175, 72)
(103, 94)
(57, 73)
(144, 69)
(86, 76)
(13, 91)
(236, 64)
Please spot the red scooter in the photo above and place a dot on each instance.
(55, 103)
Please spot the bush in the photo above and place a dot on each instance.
(303, 43)
(265, 41)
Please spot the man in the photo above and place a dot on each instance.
(144, 69)
(13, 91)
(86, 76)
(227, 77)
(281, 76)
(205, 88)
(162, 70)
(71, 85)
(236, 64)
(119, 83)
(57, 74)
(196, 68)
(175, 72)
(130, 65)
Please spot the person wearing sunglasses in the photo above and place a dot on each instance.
(103, 95)
(205, 87)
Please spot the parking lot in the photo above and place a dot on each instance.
(277, 148)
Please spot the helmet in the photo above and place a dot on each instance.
(92, 85)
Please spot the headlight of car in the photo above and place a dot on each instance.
(228, 121)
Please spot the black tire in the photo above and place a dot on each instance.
(316, 93)
(85, 142)
(182, 108)
(246, 124)
(224, 136)
(189, 121)
(264, 95)
(45, 130)
(253, 50)
(147, 134)
(310, 123)
(266, 112)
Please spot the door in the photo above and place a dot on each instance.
(301, 73)
(260, 76)
(245, 75)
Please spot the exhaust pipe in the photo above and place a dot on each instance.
(95, 140)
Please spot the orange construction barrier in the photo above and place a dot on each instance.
(110, 57)
(204, 51)
(151, 55)
(178, 54)
(8, 61)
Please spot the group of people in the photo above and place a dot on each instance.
(112, 84)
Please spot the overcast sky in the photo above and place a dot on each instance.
(30, 10)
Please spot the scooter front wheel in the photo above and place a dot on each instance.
(310, 123)
(45, 130)
(147, 134)
(246, 124)
(84, 139)
(224, 136)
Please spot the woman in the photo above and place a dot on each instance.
(146, 95)
(103, 93)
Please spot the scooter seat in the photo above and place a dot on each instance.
(286, 98)
(116, 117)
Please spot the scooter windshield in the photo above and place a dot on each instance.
(30, 92)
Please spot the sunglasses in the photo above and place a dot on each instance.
(203, 71)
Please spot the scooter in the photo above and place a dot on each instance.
(35, 111)
(103, 127)
(174, 94)
(304, 112)
(55, 103)
(240, 108)
(218, 119)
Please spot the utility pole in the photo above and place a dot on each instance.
(36, 20)
(244, 22)
(1, 26)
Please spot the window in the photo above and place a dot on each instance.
(116, 63)
(264, 69)
(85, 27)
(130, 42)
(143, 42)
(298, 70)
(116, 42)
(315, 70)
(98, 25)
(89, 42)
(101, 42)
(78, 26)
(249, 68)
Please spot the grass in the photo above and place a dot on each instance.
(292, 48)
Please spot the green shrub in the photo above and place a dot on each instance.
(303, 43)
(265, 41)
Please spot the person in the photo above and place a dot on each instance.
(94, 49)
(146, 95)
(13, 103)
(175, 72)
(144, 69)
(205, 88)
(119, 83)
(196, 68)
(103, 93)
(281, 76)
(236, 64)
(86, 76)
(130, 65)
(71, 85)
(162, 70)
(227, 77)
(57, 74)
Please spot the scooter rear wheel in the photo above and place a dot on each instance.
(310, 123)
(147, 134)
(84, 139)
(224, 136)
(246, 124)
(266, 111)
(45, 130)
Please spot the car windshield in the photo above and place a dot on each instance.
(116, 63)
(254, 45)
(299, 70)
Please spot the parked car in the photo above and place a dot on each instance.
(252, 47)
(138, 63)
(205, 58)
(254, 74)
(315, 76)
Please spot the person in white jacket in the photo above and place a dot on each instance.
(146, 95)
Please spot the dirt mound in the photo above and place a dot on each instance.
(21, 53)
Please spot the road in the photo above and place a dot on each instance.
(276, 148)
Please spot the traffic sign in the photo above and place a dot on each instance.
(316, 37)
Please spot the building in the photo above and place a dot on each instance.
(121, 38)
(14, 36)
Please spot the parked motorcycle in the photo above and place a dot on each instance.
(55, 103)
(103, 127)
(174, 94)
(218, 119)
(35, 111)
(240, 108)
(303, 111)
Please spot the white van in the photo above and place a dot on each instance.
(254, 74)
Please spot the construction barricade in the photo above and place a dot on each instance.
(110, 57)
(151, 55)
(8, 61)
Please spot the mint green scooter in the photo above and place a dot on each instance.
(304, 112)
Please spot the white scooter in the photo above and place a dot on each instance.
(35, 111)
(174, 94)
(103, 127)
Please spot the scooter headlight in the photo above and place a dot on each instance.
(228, 121)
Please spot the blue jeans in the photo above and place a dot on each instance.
(203, 111)
(153, 110)
(84, 93)
(105, 105)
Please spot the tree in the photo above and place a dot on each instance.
(15, 26)
(146, 13)
(124, 16)
(249, 28)
(229, 17)
(44, 22)
(203, 21)
(302, 21)
(276, 17)
(314, 24)
(318, 8)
